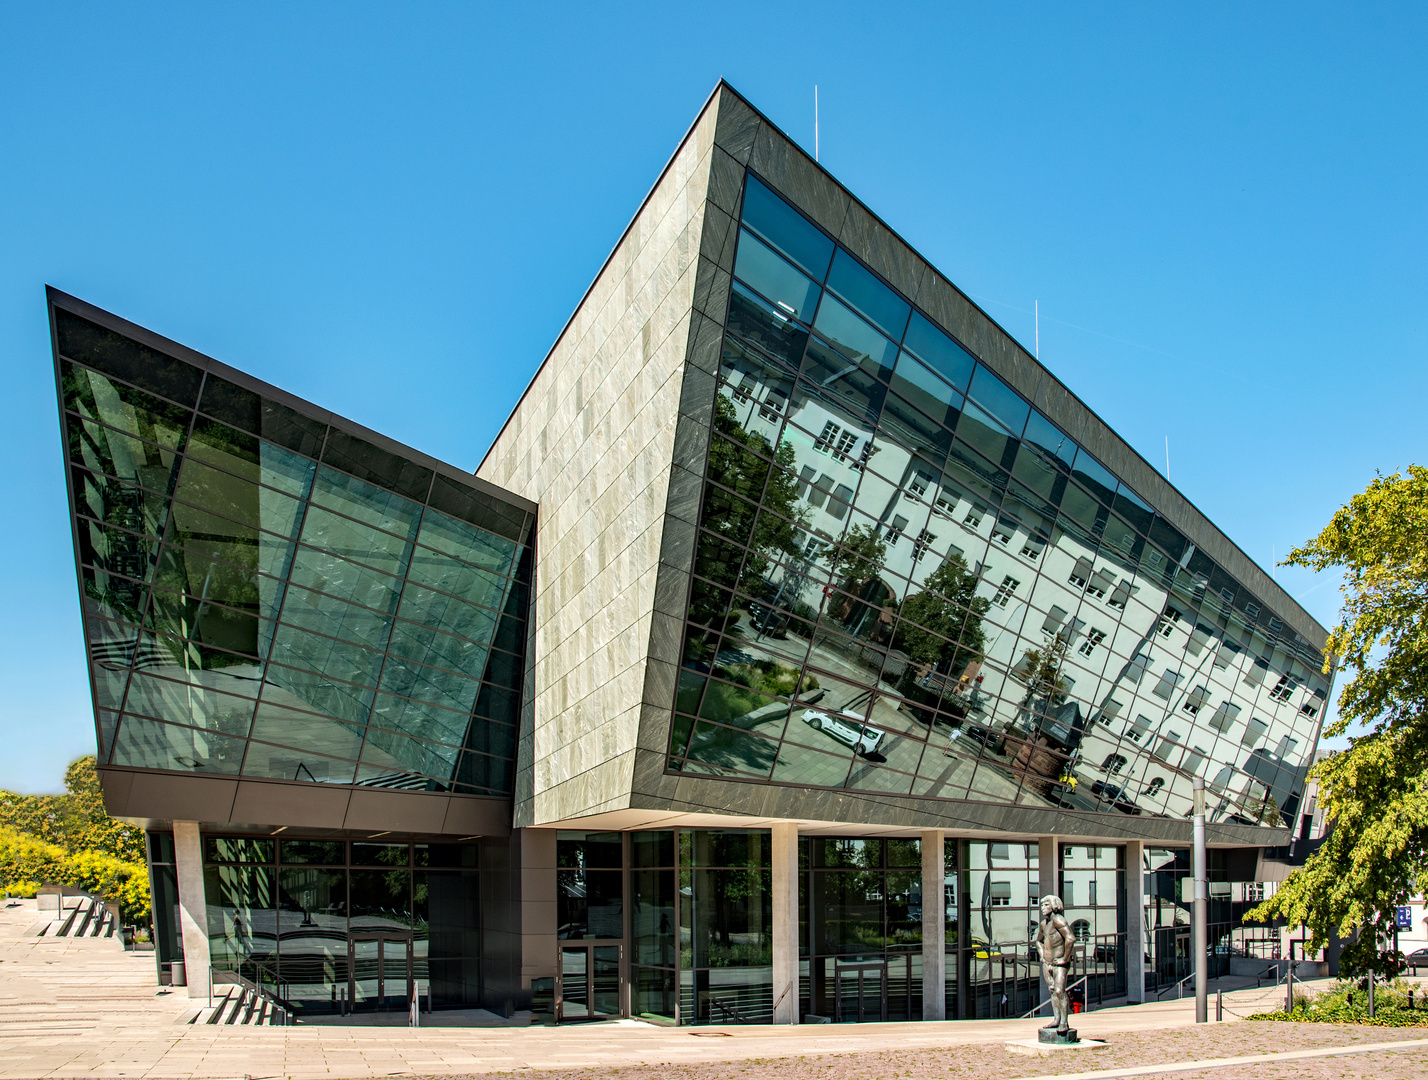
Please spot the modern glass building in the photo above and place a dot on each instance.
(797, 633)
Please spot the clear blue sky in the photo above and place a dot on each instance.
(391, 210)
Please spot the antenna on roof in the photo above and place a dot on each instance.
(1038, 329)
(1167, 457)
(815, 121)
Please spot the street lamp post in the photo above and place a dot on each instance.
(1202, 909)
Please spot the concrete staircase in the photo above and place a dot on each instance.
(241, 1003)
(67, 912)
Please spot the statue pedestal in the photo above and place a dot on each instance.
(1047, 1044)
(1052, 1037)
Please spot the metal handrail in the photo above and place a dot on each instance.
(1178, 987)
(1032, 1012)
(220, 975)
(728, 1010)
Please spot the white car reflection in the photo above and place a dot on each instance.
(847, 728)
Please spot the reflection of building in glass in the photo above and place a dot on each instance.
(895, 536)
(791, 591)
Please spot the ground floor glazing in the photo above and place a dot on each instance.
(677, 926)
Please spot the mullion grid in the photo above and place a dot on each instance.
(150, 587)
(1111, 620)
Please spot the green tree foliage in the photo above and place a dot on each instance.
(1376, 791)
(27, 862)
(76, 820)
(69, 839)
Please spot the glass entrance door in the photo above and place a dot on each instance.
(380, 971)
(588, 984)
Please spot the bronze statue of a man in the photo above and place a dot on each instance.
(1056, 945)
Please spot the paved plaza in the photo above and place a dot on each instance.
(84, 1007)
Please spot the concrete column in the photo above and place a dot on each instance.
(934, 927)
(785, 922)
(1048, 850)
(193, 908)
(1135, 922)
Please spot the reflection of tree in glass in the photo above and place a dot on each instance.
(735, 461)
(1040, 669)
(941, 629)
(858, 559)
(732, 915)
(856, 565)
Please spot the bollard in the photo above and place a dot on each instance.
(1219, 1005)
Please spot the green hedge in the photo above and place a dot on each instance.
(1346, 1002)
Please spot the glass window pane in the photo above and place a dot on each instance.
(119, 502)
(917, 383)
(979, 431)
(865, 292)
(328, 659)
(277, 722)
(1049, 441)
(762, 269)
(82, 340)
(389, 755)
(295, 763)
(424, 721)
(344, 580)
(786, 229)
(251, 412)
(376, 507)
(116, 453)
(1094, 476)
(188, 699)
(754, 392)
(206, 491)
(756, 320)
(855, 338)
(243, 455)
(1000, 400)
(120, 406)
(467, 542)
(915, 430)
(939, 351)
(321, 614)
(828, 376)
(376, 466)
(446, 613)
(142, 743)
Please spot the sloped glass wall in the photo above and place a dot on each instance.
(269, 596)
(909, 581)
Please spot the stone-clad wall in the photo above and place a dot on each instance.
(744, 138)
(591, 441)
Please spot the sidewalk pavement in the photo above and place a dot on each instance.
(84, 1007)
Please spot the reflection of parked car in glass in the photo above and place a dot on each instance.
(1105, 952)
(847, 728)
(991, 738)
(983, 949)
(1115, 795)
(767, 621)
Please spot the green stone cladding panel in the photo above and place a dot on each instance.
(266, 596)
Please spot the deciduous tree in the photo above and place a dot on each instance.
(1376, 791)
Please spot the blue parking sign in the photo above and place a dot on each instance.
(1405, 918)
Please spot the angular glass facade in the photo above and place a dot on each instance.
(268, 596)
(909, 581)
